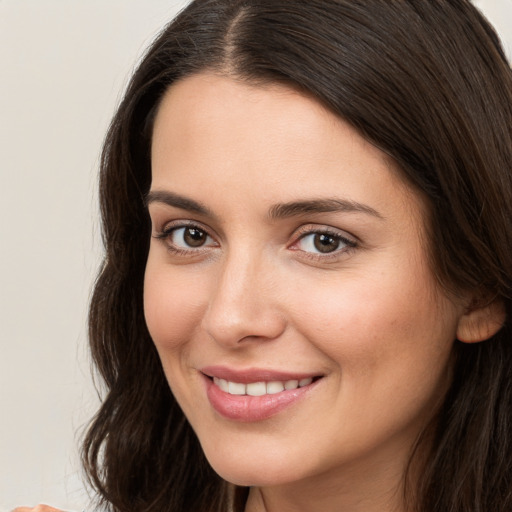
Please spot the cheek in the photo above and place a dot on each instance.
(172, 308)
(391, 349)
(373, 323)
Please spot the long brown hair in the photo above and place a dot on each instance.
(426, 81)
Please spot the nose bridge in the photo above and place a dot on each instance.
(243, 301)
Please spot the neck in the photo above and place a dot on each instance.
(275, 500)
(358, 488)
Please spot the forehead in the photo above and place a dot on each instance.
(271, 143)
(201, 101)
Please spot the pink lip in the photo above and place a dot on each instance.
(245, 408)
(253, 374)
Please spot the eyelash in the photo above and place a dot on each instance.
(306, 231)
(167, 232)
(300, 235)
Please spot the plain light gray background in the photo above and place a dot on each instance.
(63, 66)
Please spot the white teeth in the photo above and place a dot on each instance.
(235, 388)
(257, 389)
(260, 388)
(274, 387)
(291, 384)
(223, 384)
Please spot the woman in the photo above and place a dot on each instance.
(307, 220)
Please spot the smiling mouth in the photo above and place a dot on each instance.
(255, 399)
(261, 388)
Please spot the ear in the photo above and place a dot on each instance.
(479, 323)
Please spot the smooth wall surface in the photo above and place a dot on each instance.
(63, 66)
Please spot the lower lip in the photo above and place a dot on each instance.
(248, 408)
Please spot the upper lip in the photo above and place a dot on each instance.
(248, 375)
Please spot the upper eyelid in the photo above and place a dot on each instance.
(164, 228)
(184, 223)
(157, 210)
(308, 229)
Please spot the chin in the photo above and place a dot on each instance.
(254, 470)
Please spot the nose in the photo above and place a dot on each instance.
(244, 301)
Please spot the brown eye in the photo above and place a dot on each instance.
(187, 238)
(325, 243)
(194, 237)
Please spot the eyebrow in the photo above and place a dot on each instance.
(297, 208)
(177, 201)
(277, 211)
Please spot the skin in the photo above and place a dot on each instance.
(39, 508)
(369, 317)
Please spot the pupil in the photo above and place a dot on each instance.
(326, 243)
(194, 237)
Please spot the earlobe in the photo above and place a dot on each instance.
(482, 322)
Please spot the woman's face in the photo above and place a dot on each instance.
(287, 287)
